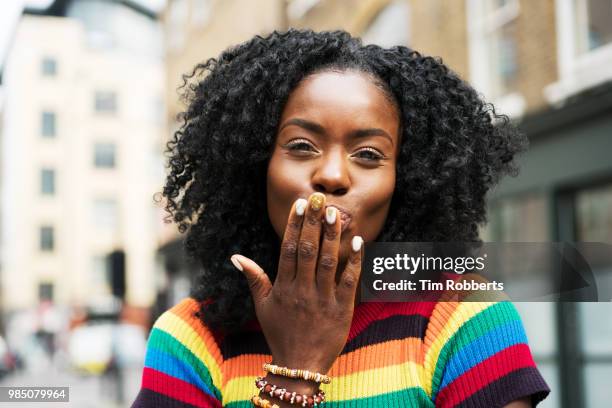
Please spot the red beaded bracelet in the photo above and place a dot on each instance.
(309, 401)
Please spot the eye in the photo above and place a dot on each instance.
(370, 154)
(300, 145)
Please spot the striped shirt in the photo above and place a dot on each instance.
(411, 354)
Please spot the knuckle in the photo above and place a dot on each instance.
(300, 302)
(307, 250)
(288, 249)
(354, 260)
(349, 281)
(330, 234)
(294, 224)
(277, 297)
(328, 262)
(312, 219)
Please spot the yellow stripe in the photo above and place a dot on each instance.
(387, 379)
(186, 335)
(464, 312)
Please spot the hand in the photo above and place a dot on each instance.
(306, 316)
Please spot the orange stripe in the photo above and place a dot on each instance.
(386, 354)
(439, 317)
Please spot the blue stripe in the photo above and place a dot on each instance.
(482, 348)
(171, 365)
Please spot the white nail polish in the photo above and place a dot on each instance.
(356, 243)
(330, 215)
(300, 206)
(236, 263)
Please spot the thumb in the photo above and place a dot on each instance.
(258, 280)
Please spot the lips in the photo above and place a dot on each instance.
(345, 216)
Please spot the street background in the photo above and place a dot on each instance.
(88, 97)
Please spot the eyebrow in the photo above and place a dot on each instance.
(320, 130)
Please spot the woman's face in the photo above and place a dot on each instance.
(338, 135)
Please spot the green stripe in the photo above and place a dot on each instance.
(407, 398)
(481, 323)
(165, 342)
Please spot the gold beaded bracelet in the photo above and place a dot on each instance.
(264, 403)
(296, 373)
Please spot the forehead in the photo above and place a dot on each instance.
(341, 95)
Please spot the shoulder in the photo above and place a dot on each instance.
(479, 350)
(183, 355)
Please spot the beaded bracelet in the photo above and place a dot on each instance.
(264, 403)
(293, 398)
(296, 373)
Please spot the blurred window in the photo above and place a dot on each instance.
(104, 214)
(48, 124)
(104, 155)
(594, 224)
(45, 291)
(49, 66)
(390, 27)
(518, 219)
(593, 24)
(47, 181)
(47, 242)
(177, 17)
(105, 102)
(493, 40)
(501, 37)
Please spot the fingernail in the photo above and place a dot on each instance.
(316, 201)
(356, 243)
(300, 206)
(330, 215)
(236, 262)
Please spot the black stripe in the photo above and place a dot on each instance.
(248, 342)
(396, 327)
(392, 328)
(147, 398)
(514, 385)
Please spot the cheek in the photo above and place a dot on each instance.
(283, 186)
(376, 204)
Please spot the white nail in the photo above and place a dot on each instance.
(300, 206)
(356, 243)
(330, 215)
(236, 262)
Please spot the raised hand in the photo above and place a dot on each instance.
(305, 315)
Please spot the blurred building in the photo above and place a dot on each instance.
(544, 63)
(81, 156)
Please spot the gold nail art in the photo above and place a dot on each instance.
(316, 201)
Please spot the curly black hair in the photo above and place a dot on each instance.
(454, 149)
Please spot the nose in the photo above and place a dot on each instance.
(332, 174)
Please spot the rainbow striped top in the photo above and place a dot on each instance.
(412, 354)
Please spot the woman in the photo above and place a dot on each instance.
(294, 150)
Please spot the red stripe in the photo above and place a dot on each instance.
(178, 389)
(485, 372)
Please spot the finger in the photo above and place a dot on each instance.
(349, 281)
(288, 252)
(308, 245)
(328, 255)
(259, 282)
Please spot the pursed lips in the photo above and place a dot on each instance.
(345, 216)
